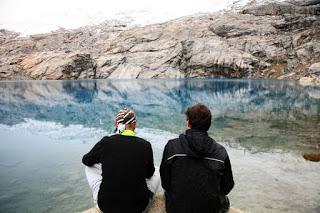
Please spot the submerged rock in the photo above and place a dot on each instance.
(269, 40)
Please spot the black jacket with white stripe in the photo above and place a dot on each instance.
(195, 173)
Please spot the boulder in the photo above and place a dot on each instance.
(315, 69)
(309, 81)
(312, 156)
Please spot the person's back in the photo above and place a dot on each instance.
(195, 170)
(126, 163)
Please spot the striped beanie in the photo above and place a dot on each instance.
(126, 116)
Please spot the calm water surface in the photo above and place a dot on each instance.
(266, 126)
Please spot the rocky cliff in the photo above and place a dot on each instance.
(270, 40)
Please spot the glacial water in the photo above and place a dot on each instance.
(266, 126)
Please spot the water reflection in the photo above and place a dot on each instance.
(82, 92)
(46, 127)
(256, 114)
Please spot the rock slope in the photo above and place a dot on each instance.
(269, 40)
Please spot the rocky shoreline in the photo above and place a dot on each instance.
(274, 40)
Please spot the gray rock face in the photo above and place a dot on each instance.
(305, 2)
(6, 36)
(281, 8)
(50, 66)
(315, 69)
(271, 40)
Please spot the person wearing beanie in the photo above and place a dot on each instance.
(117, 168)
(195, 170)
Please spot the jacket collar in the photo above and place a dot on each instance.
(128, 132)
(199, 142)
(196, 131)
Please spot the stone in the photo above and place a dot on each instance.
(107, 64)
(6, 36)
(281, 8)
(312, 156)
(309, 81)
(58, 66)
(229, 31)
(305, 2)
(315, 69)
(263, 40)
(286, 76)
(296, 22)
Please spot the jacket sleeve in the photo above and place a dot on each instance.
(93, 156)
(227, 180)
(165, 170)
(150, 166)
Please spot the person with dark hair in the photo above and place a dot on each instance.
(120, 169)
(195, 170)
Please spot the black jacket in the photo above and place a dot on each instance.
(195, 173)
(126, 163)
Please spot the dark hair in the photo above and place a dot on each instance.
(199, 117)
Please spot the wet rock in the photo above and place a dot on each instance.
(312, 156)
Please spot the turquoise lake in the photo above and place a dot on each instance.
(47, 126)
